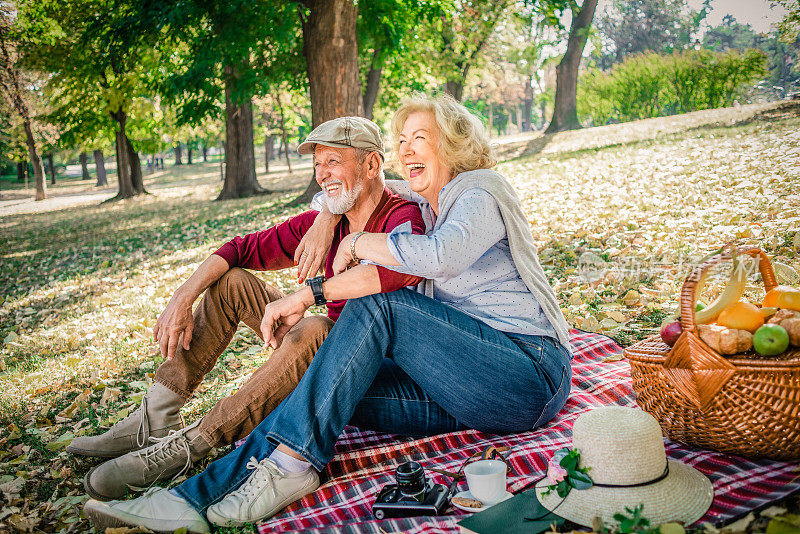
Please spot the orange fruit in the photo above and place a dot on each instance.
(741, 315)
(771, 300)
(768, 312)
(789, 300)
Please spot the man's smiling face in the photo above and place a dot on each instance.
(338, 173)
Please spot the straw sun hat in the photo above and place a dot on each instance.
(623, 450)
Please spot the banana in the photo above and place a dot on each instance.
(732, 293)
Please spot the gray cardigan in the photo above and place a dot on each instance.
(520, 240)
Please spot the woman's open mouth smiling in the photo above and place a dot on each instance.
(415, 169)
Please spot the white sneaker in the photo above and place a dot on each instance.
(268, 490)
(158, 510)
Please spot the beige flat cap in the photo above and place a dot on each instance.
(344, 132)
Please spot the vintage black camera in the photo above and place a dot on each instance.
(412, 495)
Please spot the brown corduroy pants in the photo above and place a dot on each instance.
(240, 296)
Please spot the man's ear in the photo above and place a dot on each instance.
(373, 165)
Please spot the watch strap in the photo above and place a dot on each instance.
(316, 289)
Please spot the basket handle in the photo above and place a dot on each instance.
(689, 287)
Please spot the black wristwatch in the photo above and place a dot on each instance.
(316, 288)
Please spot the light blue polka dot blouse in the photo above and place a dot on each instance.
(470, 262)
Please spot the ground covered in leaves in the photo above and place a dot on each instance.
(618, 224)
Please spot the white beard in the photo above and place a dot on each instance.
(346, 199)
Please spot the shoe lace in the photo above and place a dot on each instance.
(143, 432)
(164, 448)
(264, 472)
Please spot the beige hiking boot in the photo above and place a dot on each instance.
(168, 457)
(159, 413)
(158, 510)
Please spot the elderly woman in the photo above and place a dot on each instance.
(481, 344)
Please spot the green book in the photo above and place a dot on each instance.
(508, 517)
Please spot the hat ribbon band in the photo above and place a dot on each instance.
(657, 479)
(640, 484)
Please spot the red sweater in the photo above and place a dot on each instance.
(274, 248)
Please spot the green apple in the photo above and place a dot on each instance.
(770, 340)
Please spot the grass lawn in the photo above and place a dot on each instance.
(618, 225)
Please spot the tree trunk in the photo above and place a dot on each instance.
(330, 48)
(136, 168)
(188, 155)
(269, 145)
(240, 158)
(205, 154)
(565, 113)
(52, 169)
(527, 105)
(11, 86)
(84, 166)
(373, 84)
(123, 158)
(455, 88)
(22, 169)
(222, 163)
(100, 168)
(543, 112)
(283, 132)
(38, 171)
(178, 155)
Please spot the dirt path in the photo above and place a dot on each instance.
(72, 192)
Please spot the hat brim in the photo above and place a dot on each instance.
(685, 496)
(308, 147)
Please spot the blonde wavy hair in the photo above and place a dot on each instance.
(463, 140)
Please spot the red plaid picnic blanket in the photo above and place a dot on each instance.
(365, 461)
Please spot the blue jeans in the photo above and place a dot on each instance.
(407, 364)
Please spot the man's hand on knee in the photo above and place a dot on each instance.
(174, 327)
(282, 314)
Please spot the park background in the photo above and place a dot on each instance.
(641, 135)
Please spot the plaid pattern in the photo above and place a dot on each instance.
(365, 461)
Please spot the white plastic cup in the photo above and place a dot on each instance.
(486, 480)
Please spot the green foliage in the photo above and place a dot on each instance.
(632, 27)
(258, 42)
(653, 85)
(790, 25)
(575, 477)
(783, 55)
(632, 522)
(730, 34)
(12, 136)
(95, 65)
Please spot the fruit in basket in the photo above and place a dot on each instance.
(741, 316)
(731, 294)
(770, 340)
(771, 299)
(670, 332)
(768, 312)
(790, 321)
(789, 300)
(725, 340)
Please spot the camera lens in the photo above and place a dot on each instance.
(411, 481)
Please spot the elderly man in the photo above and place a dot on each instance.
(348, 157)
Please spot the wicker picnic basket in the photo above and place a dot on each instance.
(746, 405)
